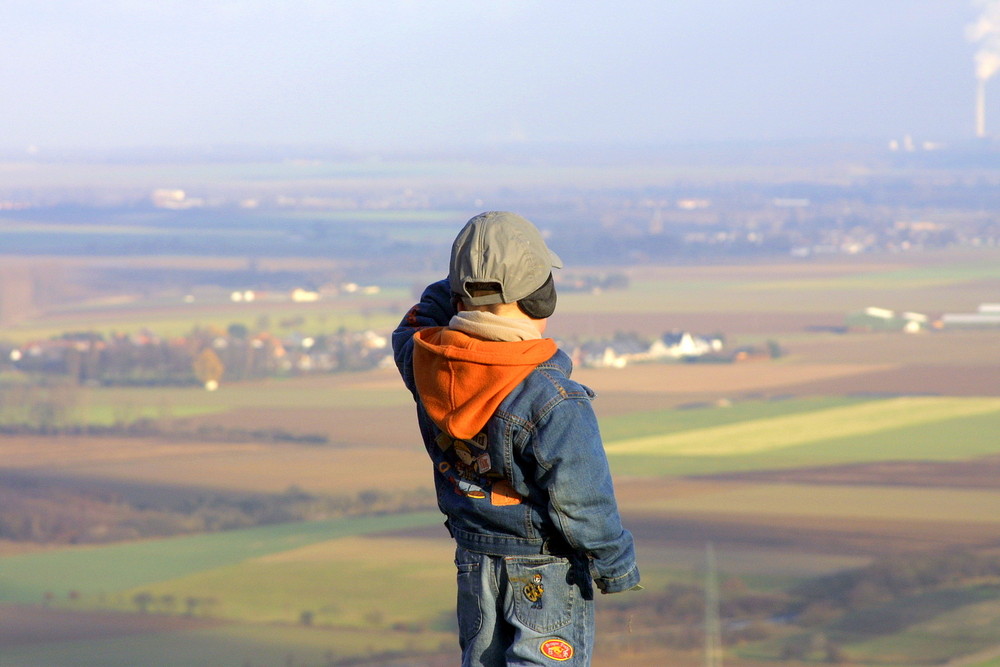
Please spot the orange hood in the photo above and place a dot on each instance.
(462, 380)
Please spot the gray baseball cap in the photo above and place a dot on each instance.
(503, 248)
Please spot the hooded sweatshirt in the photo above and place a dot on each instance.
(462, 379)
(530, 480)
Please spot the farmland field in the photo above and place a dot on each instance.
(103, 570)
(764, 435)
(850, 447)
(831, 501)
(222, 644)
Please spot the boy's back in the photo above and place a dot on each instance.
(519, 465)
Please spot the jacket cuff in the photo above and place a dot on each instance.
(618, 584)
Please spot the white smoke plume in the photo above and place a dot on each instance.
(986, 33)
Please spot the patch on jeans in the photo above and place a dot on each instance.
(533, 590)
(556, 649)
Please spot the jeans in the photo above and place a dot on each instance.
(524, 610)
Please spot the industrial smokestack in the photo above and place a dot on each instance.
(986, 33)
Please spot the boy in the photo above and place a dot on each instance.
(519, 465)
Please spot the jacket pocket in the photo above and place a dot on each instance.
(543, 590)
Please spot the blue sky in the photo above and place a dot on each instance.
(450, 73)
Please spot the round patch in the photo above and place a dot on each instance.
(557, 649)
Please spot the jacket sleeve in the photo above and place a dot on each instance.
(573, 468)
(435, 309)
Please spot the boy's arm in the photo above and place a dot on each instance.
(435, 309)
(574, 470)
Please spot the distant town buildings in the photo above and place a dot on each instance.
(147, 358)
(883, 319)
(625, 349)
(175, 199)
(607, 224)
(986, 316)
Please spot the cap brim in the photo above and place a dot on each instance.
(557, 262)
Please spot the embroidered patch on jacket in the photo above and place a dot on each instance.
(463, 453)
(443, 441)
(469, 490)
(556, 649)
(503, 494)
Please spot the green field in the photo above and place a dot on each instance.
(637, 425)
(105, 570)
(807, 432)
(344, 583)
(936, 627)
(760, 436)
(269, 577)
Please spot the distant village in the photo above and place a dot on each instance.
(817, 222)
(680, 222)
(210, 355)
(205, 356)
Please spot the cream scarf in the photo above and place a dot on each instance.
(488, 326)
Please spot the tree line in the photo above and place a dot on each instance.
(203, 355)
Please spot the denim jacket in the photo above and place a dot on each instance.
(535, 479)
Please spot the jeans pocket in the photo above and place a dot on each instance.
(470, 615)
(543, 591)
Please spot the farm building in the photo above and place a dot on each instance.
(987, 316)
(626, 349)
(882, 319)
(680, 344)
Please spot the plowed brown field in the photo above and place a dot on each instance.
(23, 624)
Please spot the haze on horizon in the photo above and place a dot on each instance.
(440, 73)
